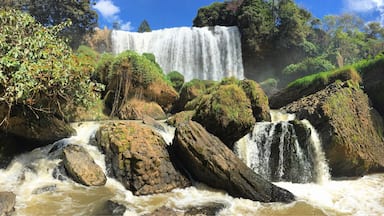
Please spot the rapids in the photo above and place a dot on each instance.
(208, 53)
(30, 177)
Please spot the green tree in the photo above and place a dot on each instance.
(144, 27)
(38, 71)
(54, 12)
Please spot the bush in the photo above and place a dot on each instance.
(103, 68)
(177, 79)
(37, 69)
(307, 67)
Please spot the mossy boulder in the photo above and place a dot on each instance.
(135, 76)
(137, 156)
(226, 112)
(135, 109)
(177, 79)
(231, 108)
(180, 118)
(311, 84)
(190, 91)
(349, 129)
(24, 131)
(259, 100)
(372, 72)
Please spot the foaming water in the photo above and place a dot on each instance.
(29, 176)
(208, 53)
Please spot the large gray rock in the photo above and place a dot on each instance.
(82, 168)
(137, 156)
(209, 161)
(350, 130)
(7, 203)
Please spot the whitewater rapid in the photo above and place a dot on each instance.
(208, 53)
(30, 177)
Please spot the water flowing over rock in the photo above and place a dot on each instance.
(139, 158)
(208, 53)
(352, 140)
(208, 160)
(7, 203)
(82, 167)
(274, 151)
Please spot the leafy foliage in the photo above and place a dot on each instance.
(54, 12)
(177, 79)
(37, 69)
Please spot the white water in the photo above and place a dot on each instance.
(31, 171)
(208, 53)
(258, 150)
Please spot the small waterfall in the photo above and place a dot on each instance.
(274, 151)
(208, 53)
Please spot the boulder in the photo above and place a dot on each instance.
(259, 100)
(138, 158)
(190, 91)
(24, 132)
(135, 109)
(180, 117)
(209, 161)
(81, 167)
(350, 131)
(309, 85)
(7, 203)
(226, 112)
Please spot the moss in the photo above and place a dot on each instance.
(177, 79)
(259, 101)
(226, 112)
(325, 78)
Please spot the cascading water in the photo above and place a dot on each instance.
(208, 53)
(38, 193)
(273, 151)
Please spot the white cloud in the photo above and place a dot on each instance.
(107, 9)
(367, 6)
(111, 13)
(127, 26)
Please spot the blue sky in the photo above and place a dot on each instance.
(176, 13)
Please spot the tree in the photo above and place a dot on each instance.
(38, 71)
(144, 27)
(116, 25)
(54, 12)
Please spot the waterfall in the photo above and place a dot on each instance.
(274, 151)
(208, 53)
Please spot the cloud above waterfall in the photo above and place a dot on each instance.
(367, 6)
(107, 9)
(110, 12)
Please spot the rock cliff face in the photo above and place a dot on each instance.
(81, 167)
(209, 161)
(349, 129)
(139, 158)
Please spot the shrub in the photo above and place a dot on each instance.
(177, 79)
(37, 69)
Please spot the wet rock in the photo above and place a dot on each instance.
(138, 158)
(81, 167)
(208, 209)
(7, 203)
(115, 209)
(45, 189)
(148, 120)
(209, 161)
(164, 211)
(180, 118)
(348, 128)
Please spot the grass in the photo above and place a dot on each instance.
(324, 78)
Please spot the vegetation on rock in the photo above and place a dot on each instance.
(38, 71)
(177, 79)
